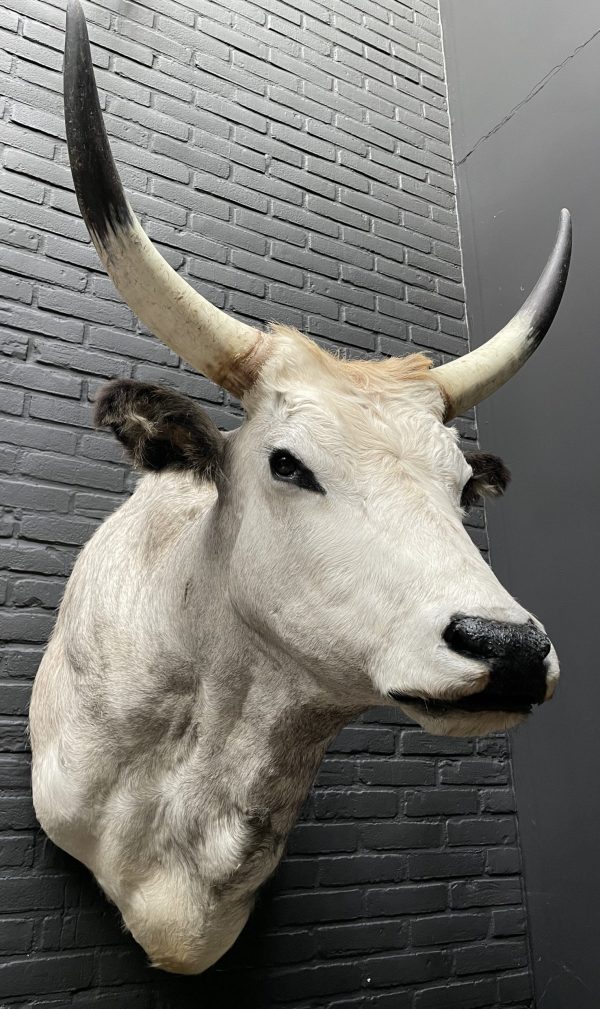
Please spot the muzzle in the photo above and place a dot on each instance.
(515, 656)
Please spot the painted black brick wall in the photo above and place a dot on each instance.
(296, 166)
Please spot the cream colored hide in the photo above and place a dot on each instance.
(222, 626)
(213, 639)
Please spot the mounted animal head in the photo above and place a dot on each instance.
(344, 489)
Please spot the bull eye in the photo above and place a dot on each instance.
(283, 465)
(287, 469)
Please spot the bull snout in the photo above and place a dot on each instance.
(514, 654)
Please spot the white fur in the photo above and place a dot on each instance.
(210, 645)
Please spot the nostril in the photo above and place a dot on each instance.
(473, 637)
(456, 635)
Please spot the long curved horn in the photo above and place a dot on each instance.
(228, 351)
(472, 378)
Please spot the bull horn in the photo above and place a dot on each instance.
(472, 378)
(228, 351)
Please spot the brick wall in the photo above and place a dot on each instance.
(294, 166)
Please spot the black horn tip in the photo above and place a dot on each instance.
(75, 12)
(102, 201)
(543, 302)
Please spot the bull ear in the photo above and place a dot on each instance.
(490, 478)
(160, 429)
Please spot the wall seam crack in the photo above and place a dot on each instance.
(535, 91)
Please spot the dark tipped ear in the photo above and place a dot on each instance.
(490, 478)
(159, 428)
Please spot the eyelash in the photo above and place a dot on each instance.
(299, 475)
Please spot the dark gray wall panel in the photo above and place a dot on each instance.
(293, 164)
(545, 535)
(507, 52)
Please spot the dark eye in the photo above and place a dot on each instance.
(285, 467)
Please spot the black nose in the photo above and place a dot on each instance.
(492, 639)
(514, 654)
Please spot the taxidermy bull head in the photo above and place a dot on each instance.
(260, 589)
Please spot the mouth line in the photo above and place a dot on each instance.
(473, 703)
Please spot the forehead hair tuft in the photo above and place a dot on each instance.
(368, 376)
